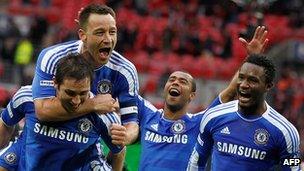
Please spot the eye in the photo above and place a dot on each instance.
(171, 79)
(99, 33)
(70, 93)
(253, 80)
(184, 82)
(113, 32)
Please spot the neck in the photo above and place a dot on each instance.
(86, 54)
(174, 115)
(257, 109)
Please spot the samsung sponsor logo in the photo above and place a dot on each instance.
(60, 134)
(156, 138)
(241, 150)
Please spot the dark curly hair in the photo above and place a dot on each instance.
(266, 63)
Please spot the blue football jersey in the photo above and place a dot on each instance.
(50, 145)
(239, 142)
(118, 77)
(82, 137)
(10, 156)
(166, 144)
(20, 104)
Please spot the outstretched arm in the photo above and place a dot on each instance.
(256, 46)
(50, 109)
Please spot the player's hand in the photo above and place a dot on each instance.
(118, 134)
(104, 103)
(258, 43)
(78, 15)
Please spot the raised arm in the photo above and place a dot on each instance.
(255, 46)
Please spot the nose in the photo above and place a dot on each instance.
(106, 38)
(244, 84)
(76, 100)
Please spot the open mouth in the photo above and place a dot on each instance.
(174, 92)
(104, 51)
(244, 96)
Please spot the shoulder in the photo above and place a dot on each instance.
(23, 95)
(49, 56)
(121, 64)
(285, 127)
(218, 111)
(145, 104)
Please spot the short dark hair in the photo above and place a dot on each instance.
(94, 9)
(193, 85)
(266, 63)
(73, 66)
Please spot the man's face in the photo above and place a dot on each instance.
(178, 91)
(100, 37)
(72, 93)
(251, 86)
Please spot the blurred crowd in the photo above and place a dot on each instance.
(200, 36)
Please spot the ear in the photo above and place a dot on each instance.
(192, 96)
(82, 35)
(269, 86)
(55, 84)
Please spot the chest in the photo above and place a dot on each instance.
(159, 132)
(244, 139)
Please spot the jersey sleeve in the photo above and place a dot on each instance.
(43, 85)
(289, 148)
(203, 146)
(16, 108)
(127, 99)
(104, 124)
(215, 102)
(145, 108)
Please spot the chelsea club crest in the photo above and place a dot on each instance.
(85, 125)
(178, 127)
(10, 158)
(104, 87)
(261, 137)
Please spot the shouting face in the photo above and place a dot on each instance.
(99, 37)
(251, 85)
(178, 91)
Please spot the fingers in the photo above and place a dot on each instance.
(118, 134)
(265, 44)
(78, 16)
(243, 41)
(260, 33)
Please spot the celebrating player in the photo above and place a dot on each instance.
(64, 145)
(247, 134)
(172, 132)
(115, 76)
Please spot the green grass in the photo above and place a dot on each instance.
(132, 156)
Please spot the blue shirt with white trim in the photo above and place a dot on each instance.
(238, 142)
(166, 144)
(118, 77)
(46, 143)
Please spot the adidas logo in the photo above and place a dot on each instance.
(155, 127)
(225, 130)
